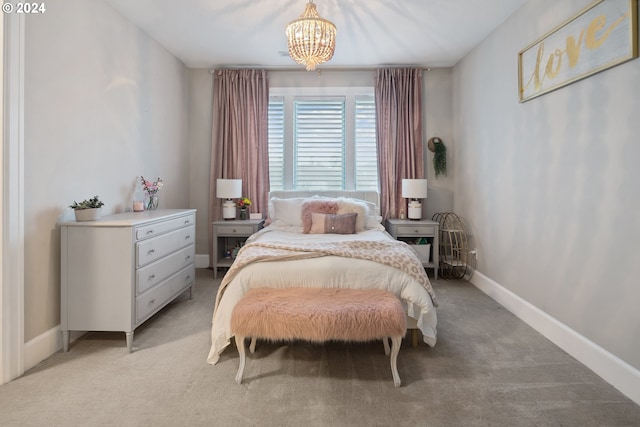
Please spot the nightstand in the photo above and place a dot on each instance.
(411, 231)
(229, 234)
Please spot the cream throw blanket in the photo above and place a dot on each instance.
(393, 253)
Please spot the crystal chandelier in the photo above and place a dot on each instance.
(311, 39)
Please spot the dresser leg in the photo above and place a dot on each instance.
(129, 336)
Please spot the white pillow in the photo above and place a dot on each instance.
(374, 221)
(286, 212)
(346, 205)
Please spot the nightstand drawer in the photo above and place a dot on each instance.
(415, 230)
(234, 230)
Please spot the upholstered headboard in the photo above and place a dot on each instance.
(369, 196)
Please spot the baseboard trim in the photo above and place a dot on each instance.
(44, 345)
(202, 261)
(608, 366)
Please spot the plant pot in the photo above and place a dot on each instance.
(88, 214)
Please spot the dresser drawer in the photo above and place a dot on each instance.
(152, 230)
(152, 249)
(417, 230)
(155, 298)
(154, 273)
(234, 230)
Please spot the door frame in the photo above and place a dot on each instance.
(12, 49)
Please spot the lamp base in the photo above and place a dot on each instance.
(415, 210)
(229, 210)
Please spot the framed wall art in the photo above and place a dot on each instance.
(601, 36)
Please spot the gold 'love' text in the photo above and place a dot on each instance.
(592, 37)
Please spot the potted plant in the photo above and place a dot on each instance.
(439, 150)
(87, 210)
(244, 204)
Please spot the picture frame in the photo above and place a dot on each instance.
(601, 36)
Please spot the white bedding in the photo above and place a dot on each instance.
(325, 271)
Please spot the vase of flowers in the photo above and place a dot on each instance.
(244, 204)
(151, 189)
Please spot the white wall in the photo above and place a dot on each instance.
(200, 125)
(438, 121)
(104, 104)
(549, 187)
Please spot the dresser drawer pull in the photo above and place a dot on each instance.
(186, 221)
(187, 237)
(234, 231)
(149, 232)
(153, 276)
(151, 251)
(188, 277)
(153, 301)
(188, 257)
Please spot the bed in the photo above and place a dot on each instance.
(325, 239)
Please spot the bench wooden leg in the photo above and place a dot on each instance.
(252, 346)
(385, 342)
(241, 352)
(395, 349)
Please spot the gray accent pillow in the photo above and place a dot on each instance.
(322, 223)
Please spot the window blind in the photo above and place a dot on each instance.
(276, 142)
(365, 144)
(319, 138)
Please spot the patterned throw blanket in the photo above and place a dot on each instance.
(395, 254)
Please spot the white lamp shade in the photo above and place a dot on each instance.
(414, 188)
(229, 188)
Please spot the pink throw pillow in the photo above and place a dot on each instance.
(316, 206)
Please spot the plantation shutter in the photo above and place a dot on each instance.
(365, 144)
(276, 142)
(319, 142)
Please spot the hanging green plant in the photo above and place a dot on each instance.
(439, 156)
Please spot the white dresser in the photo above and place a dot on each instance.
(120, 270)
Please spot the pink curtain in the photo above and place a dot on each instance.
(399, 131)
(240, 138)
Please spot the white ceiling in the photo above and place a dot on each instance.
(213, 33)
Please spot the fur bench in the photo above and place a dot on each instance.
(319, 315)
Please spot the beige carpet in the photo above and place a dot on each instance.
(488, 368)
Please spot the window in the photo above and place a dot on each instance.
(276, 142)
(365, 141)
(321, 142)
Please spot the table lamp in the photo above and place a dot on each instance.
(414, 189)
(229, 189)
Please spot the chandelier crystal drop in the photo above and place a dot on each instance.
(311, 39)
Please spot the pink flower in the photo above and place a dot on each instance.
(151, 188)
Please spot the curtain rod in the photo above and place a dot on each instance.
(244, 67)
